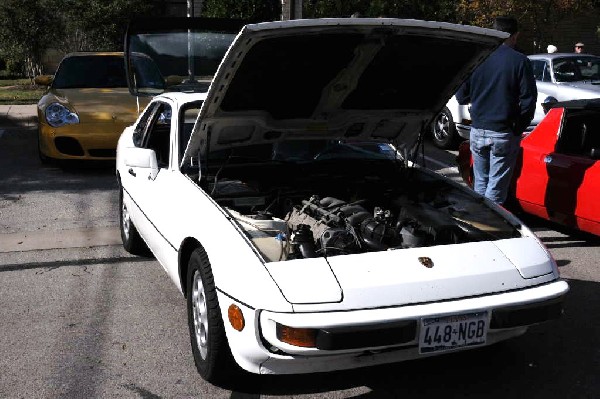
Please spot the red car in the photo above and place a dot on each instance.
(558, 170)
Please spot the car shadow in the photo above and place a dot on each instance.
(571, 236)
(23, 172)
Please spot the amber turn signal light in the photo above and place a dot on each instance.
(236, 317)
(304, 337)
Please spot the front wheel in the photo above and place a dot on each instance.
(44, 159)
(132, 241)
(210, 348)
(443, 130)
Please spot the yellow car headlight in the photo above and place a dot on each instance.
(58, 115)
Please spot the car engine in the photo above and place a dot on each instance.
(335, 214)
(330, 226)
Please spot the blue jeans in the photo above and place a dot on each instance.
(494, 158)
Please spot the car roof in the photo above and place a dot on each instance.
(551, 56)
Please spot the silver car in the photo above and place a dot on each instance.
(567, 76)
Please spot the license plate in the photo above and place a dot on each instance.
(445, 333)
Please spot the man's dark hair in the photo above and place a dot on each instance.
(506, 24)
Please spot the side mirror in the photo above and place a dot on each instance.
(43, 80)
(595, 153)
(143, 158)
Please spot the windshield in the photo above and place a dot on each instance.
(91, 71)
(186, 60)
(574, 69)
(303, 151)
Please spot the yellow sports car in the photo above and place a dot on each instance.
(86, 108)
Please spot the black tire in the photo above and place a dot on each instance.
(210, 348)
(45, 160)
(132, 241)
(443, 130)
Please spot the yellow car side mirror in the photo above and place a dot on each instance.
(43, 80)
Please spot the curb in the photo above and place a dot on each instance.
(17, 115)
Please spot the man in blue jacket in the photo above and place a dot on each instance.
(502, 94)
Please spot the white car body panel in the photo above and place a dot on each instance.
(460, 116)
(306, 281)
(255, 358)
(378, 279)
(174, 209)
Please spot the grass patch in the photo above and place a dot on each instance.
(19, 91)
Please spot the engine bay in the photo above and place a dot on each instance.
(348, 207)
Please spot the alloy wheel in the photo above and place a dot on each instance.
(125, 220)
(441, 128)
(200, 313)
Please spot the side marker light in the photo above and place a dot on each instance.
(236, 317)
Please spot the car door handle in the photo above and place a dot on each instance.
(131, 172)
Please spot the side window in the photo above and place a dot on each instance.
(578, 135)
(140, 128)
(187, 118)
(547, 77)
(158, 134)
(566, 71)
(538, 69)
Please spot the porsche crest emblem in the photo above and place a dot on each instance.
(425, 261)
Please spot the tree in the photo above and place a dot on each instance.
(539, 17)
(440, 10)
(98, 25)
(252, 10)
(27, 28)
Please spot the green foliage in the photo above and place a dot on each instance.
(97, 25)
(536, 17)
(26, 30)
(440, 10)
(252, 10)
(29, 27)
(19, 91)
(14, 67)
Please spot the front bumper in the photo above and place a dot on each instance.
(377, 336)
(85, 141)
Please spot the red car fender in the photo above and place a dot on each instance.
(464, 161)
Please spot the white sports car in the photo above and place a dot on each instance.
(284, 203)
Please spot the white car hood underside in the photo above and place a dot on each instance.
(377, 79)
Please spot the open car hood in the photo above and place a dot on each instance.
(368, 79)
